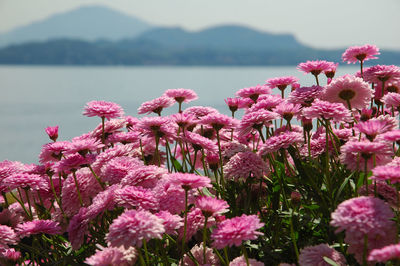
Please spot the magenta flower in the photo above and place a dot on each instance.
(113, 256)
(132, 227)
(281, 82)
(190, 181)
(326, 110)
(235, 230)
(382, 73)
(315, 67)
(145, 176)
(282, 141)
(287, 110)
(158, 127)
(241, 261)
(254, 121)
(305, 95)
(267, 102)
(83, 146)
(218, 121)
(73, 163)
(156, 105)
(360, 53)
(245, 165)
(132, 197)
(171, 222)
(253, 92)
(199, 142)
(117, 168)
(211, 206)
(103, 109)
(237, 103)
(181, 95)
(385, 254)
(314, 255)
(349, 90)
(52, 132)
(38, 227)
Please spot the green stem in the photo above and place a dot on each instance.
(220, 159)
(205, 240)
(185, 224)
(365, 251)
(246, 257)
(296, 250)
(146, 253)
(96, 177)
(103, 135)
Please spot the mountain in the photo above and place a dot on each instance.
(86, 23)
(227, 36)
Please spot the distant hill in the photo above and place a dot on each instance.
(86, 23)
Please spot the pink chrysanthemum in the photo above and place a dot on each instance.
(315, 67)
(73, 163)
(331, 71)
(241, 261)
(113, 256)
(287, 110)
(83, 146)
(124, 137)
(245, 165)
(171, 222)
(156, 105)
(229, 149)
(267, 102)
(78, 228)
(7, 236)
(385, 254)
(197, 252)
(145, 176)
(382, 73)
(314, 255)
(184, 120)
(131, 197)
(218, 121)
(117, 168)
(383, 191)
(26, 181)
(102, 202)
(195, 222)
(391, 136)
(354, 54)
(10, 254)
(281, 82)
(211, 206)
(253, 92)
(52, 152)
(199, 142)
(109, 154)
(181, 95)
(114, 125)
(305, 95)
(104, 109)
(386, 172)
(372, 128)
(200, 111)
(254, 121)
(282, 141)
(392, 99)
(327, 110)
(355, 153)
(52, 132)
(158, 127)
(235, 230)
(190, 181)
(132, 227)
(348, 90)
(237, 103)
(38, 227)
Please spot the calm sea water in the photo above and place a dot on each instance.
(36, 97)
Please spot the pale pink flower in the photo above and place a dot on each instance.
(241, 261)
(360, 53)
(181, 95)
(327, 110)
(282, 141)
(38, 227)
(197, 251)
(305, 95)
(171, 222)
(52, 132)
(392, 99)
(103, 109)
(253, 92)
(7, 236)
(315, 67)
(156, 105)
(190, 181)
(281, 82)
(245, 165)
(314, 255)
(132, 197)
(211, 206)
(113, 256)
(385, 254)
(236, 230)
(348, 90)
(132, 227)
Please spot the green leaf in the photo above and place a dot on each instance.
(176, 164)
(311, 207)
(330, 261)
(342, 186)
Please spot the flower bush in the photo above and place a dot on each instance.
(310, 179)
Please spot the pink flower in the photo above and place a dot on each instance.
(131, 197)
(78, 228)
(113, 256)
(305, 95)
(382, 73)
(171, 222)
(237, 103)
(241, 261)
(11, 254)
(53, 152)
(156, 105)
(314, 255)
(199, 142)
(235, 230)
(348, 90)
(7, 236)
(103, 201)
(145, 176)
(117, 168)
(391, 136)
(197, 251)
(38, 227)
(218, 121)
(245, 165)
(83, 146)
(114, 125)
(195, 222)
(267, 102)
(124, 137)
(281, 82)
(107, 155)
(26, 181)
(360, 53)
(282, 141)
(372, 128)
(52, 132)
(211, 206)
(384, 254)
(158, 127)
(73, 163)
(386, 172)
(315, 67)
(132, 227)
(330, 72)
(384, 191)
(392, 99)
(253, 92)
(255, 121)
(184, 120)
(190, 181)
(326, 110)
(181, 95)
(287, 110)
(103, 109)
(200, 111)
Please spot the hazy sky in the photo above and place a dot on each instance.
(319, 23)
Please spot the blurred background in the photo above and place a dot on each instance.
(56, 55)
